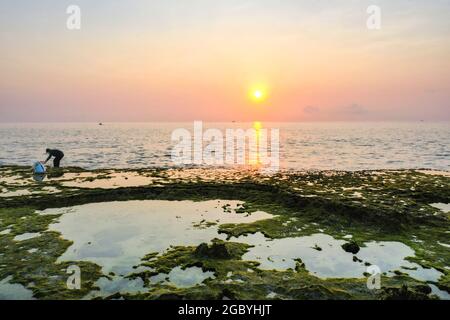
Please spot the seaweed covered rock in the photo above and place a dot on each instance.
(219, 249)
(215, 251)
(351, 247)
(299, 265)
(419, 292)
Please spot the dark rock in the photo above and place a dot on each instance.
(423, 289)
(300, 265)
(202, 249)
(406, 293)
(215, 251)
(227, 294)
(351, 247)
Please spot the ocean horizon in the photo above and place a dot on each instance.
(347, 146)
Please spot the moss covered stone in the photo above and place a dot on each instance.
(369, 205)
(351, 247)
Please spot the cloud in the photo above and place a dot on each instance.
(354, 109)
(311, 109)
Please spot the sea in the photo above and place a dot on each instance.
(348, 146)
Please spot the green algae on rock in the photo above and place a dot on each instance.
(368, 205)
(351, 247)
(239, 279)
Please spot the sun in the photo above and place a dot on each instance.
(258, 95)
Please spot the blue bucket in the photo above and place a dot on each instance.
(38, 168)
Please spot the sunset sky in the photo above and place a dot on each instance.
(184, 60)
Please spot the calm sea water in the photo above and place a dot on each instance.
(303, 146)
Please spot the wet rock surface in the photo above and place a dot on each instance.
(372, 206)
(351, 247)
(214, 251)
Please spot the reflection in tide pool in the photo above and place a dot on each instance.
(14, 291)
(26, 236)
(331, 261)
(186, 278)
(116, 235)
(178, 277)
(116, 284)
(110, 181)
(444, 207)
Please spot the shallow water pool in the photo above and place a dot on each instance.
(324, 257)
(116, 235)
(14, 291)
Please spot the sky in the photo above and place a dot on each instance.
(185, 60)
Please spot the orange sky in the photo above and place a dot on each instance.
(197, 60)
